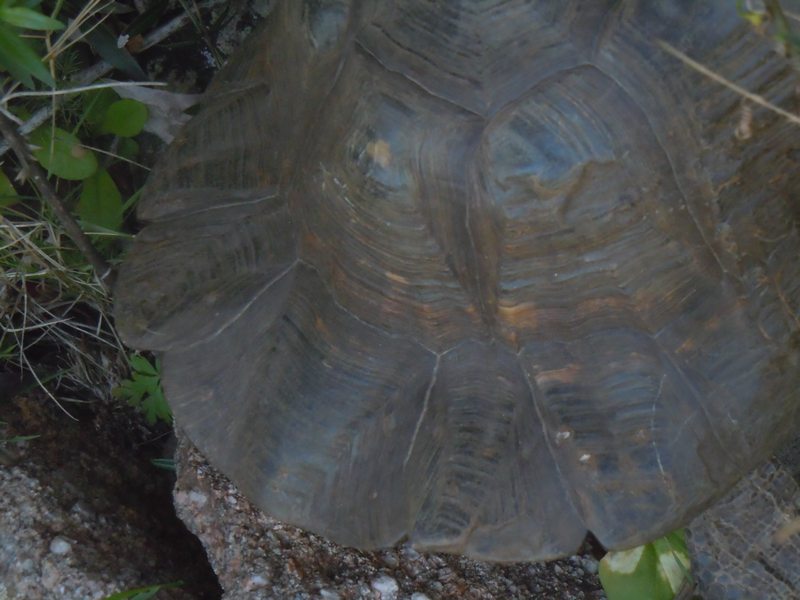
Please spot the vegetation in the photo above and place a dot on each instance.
(67, 193)
(144, 593)
(143, 390)
(656, 571)
(54, 304)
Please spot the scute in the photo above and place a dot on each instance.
(483, 276)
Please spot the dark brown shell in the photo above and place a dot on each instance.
(483, 274)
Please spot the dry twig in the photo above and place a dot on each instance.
(754, 98)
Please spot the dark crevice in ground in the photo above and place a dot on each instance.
(101, 463)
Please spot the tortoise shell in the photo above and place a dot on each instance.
(481, 275)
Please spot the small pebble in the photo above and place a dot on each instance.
(386, 587)
(256, 582)
(390, 560)
(60, 546)
(198, 498)
(590, 565)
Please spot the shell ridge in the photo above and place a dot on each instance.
(237, 315)
(261, 197)
(534, 394)
(423, 411)
(417, 84)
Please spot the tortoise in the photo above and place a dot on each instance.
(483, 276)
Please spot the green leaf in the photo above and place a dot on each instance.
(96, 103)
(144, 593)
(8, 195)
(128, 148)
(143, 390)
(19, 16)
(100, 202)
(143, 366)
(789, 38)
(19, 438)
(655, 571)
(62, 154)
(19, 59)
(104, 42)
(673, 559)
(168, 464)
(25, 3)
(125, 118)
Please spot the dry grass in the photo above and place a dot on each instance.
(56, 328)
(54, 314)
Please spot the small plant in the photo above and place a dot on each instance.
(143, 390)
(113, 122)
(15, 439)
(17, 56)
(167, 464)
(144, 593)
(770, 18)
(655, 571)
(52, 295)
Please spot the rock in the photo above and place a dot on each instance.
(385, 587)
(244, 546)
(60, 546)
(590, 564)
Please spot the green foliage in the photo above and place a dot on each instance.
(125, 118)
(17, 438)
(96, 104)
(105, 42)
(20, 60)
(144, 593)
(17, 56)
(90, 152)
(757, 19)
(27, 18)
(100, 202)
(770, 19)
(143, 390)
(656, 571)
(62, 154)
(6, 350)
(168, 464)
(128, 149)
(8, 195)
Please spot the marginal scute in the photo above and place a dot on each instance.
(344, 400)
(193, 274)
(495, 491)
(484, 276)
